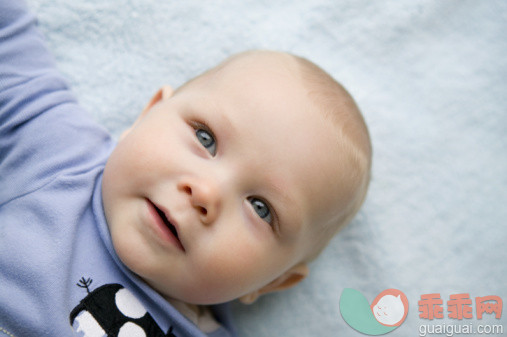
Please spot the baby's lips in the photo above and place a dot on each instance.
(169, 225)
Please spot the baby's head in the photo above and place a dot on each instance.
(227, 187)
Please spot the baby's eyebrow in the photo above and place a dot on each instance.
(286, 203)
(215, 111)
(227, 123)
(282, 192)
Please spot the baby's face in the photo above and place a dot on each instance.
(220, 188)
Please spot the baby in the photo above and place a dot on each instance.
(223, 189)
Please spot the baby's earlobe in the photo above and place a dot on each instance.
(163, 93)
(166, 92)
(287, 280)
(249, 298)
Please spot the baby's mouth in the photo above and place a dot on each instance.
(164, 219)
(166, 222)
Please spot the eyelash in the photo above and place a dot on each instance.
(274, 218)
(204, 126)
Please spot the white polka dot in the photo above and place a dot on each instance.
(128, 304)
(131, 330)
(88, 325)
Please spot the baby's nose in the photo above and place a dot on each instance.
(204, 196)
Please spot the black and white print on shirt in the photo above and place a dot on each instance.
(113, 311)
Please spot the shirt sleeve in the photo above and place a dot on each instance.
(24, 62)
(43, 131)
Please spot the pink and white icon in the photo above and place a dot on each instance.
(390, 307)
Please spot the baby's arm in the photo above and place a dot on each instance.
(43, 131)
(24, 58)
(26, 69)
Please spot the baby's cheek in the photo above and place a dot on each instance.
(227, 276)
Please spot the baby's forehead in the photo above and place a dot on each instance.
(259, 64)
(294, 129)
(258, 60)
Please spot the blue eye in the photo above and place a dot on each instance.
(262, 210)
(207, 140)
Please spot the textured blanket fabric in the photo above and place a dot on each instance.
(430, 78)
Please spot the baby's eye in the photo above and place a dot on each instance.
(262, 210)
(207, 140)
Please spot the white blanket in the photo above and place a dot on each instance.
(431, 80)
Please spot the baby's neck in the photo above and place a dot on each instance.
(200, 315)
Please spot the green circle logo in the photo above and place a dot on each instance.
(387, 311)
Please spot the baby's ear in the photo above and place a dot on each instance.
(285, 281)
(163, 93)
